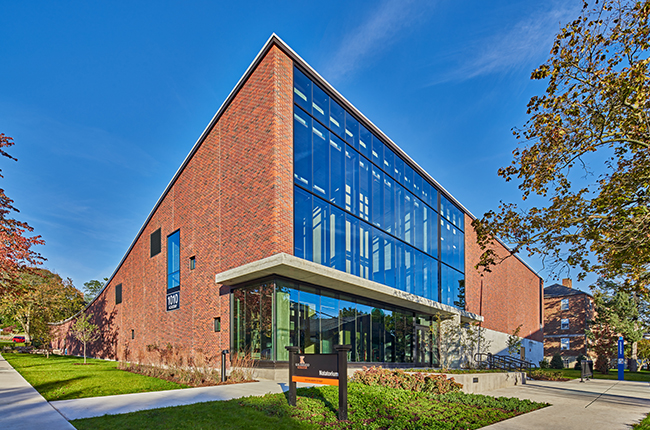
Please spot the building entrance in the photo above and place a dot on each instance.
(423, 345)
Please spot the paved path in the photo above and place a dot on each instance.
(594, 404)
(22, 407)
(123, 403)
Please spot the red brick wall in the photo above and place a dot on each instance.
(578, 314)
(233, 204)
(506, 297)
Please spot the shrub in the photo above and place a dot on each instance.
(544, 364)
(546, 375)
(578, 361)
(376, 376)
(556, 362)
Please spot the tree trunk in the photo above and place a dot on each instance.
(84, 352)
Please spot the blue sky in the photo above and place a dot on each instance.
(105, 100)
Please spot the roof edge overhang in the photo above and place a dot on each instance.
(289, 266)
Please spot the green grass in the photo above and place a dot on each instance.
(641, 375)
(62, 378)
(643, 425)
(370, 407)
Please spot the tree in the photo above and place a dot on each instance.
(15, 248)
(617, 314)
(92, 288)
(36, 297)
(84, 331)
(584, 153)
(556, 362)
(514, 341)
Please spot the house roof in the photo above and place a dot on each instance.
(559, 290)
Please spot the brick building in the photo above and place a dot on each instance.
(567, 312)
(294, 220)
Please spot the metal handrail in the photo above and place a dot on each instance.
(503, 362)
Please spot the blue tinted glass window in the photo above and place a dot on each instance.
(407, 220)
(408, 178)
(329, 322)
(418, 274)
(452, 248)
(398, 170)
(301, 90)
(302, 224)
(378, 153)
(320, 105)
(302, 151)
(351, 130)
(351, 180)
(321, 152)
(449, 211)
(452, 284)
(418, 224)
(365, 141)
(352, 245)
(389, 260)
(364, 189)
(337, 119)
(337, 177)
(377, 196)
(389, 205)
(174, 260)
(378, 256)
(337, 237)
(417, 186)
(389, 162)
(320, 231)
(365, 262)
(433, 198)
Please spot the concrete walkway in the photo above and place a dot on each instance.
(594, 404)
(124, 403)
(22, 407)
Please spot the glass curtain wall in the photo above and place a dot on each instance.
(270, 315)
(361, 209)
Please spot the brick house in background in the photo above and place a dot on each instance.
(566, 315)
(294, 220)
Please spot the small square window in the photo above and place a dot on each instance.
(192, 262)
(564, 343)
(564, 323)
(217, 324)
(564, 305)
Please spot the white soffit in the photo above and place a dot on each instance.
(301, 270)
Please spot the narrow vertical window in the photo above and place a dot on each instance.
(217, 324)
(173, 260)
(156, 245)
(193, 262)
(132, 334)
(118, 294)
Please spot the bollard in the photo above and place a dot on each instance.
(342, 351)
(223, 364)
(292, 385)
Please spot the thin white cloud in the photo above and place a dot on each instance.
(526, 41)
(381, 29)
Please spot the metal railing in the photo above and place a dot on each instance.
(502, 362)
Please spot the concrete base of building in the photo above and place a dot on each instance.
(482, 382)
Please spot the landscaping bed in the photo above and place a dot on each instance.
(369, 407)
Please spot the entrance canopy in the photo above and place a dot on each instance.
(292, 267)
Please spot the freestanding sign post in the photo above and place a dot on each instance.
(621, 358)
(328, 369)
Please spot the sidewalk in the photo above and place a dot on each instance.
(124, 403)
(22, 407)
(594, 404)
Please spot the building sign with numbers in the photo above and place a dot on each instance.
(173, 300)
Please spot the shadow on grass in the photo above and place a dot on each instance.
(49, 389)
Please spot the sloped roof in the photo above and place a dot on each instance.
(559, 290)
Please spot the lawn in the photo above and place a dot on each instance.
(64, 377)
(641, 375)
(370, 407)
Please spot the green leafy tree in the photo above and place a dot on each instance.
(36, 297)
(584, 153)
(92, 288)
(556, 362)
(84, 331)
(617, 314)
(513, 342)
